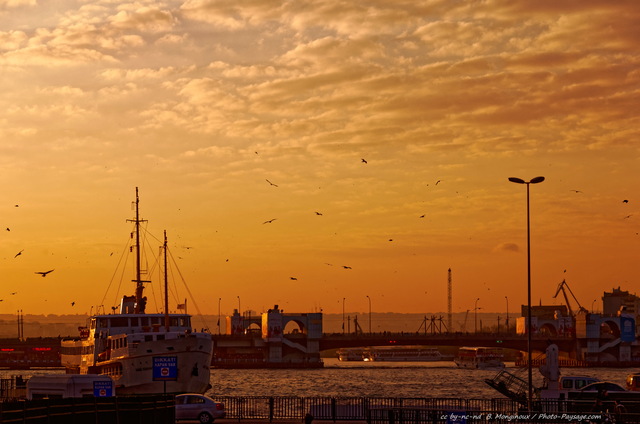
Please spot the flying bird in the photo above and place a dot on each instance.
(437, 182)
(13, 293)
(269, 221)
(318, 213)
(293, 278)
(18, 254)
(346, 267)
(73, 303)
(363, 161)
(43, 273)
(576, 191)
(625, 201)
(421, 216)
(8, 229)
(275, 185)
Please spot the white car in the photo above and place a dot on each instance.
(192, 406)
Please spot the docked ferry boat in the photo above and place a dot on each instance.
(350, 353)
(479, 358)
(404, 354)
(125, 345)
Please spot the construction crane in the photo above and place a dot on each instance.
(561, 287)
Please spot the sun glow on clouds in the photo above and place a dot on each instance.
(398, 121)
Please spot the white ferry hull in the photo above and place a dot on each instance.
(132, 369)
(193, 356)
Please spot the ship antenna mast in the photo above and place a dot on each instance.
(166, 286)
(140, 301)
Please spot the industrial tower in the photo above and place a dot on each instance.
(449, 295)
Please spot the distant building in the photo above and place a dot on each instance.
(621, 301)
(546, 312)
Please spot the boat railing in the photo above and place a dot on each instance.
(510, 385)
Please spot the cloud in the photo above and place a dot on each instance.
(506, 247)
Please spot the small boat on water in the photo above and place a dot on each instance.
(143, 353)
(350, 353)
(479, 358)
(404, 354)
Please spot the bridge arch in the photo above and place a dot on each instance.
(609, 329)
(548, 329)
(293, 325)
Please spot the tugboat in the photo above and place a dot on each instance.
(127, 344)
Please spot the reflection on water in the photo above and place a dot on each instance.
(373, 379)
(408, 379)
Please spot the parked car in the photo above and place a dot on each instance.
(601, 386)
(192, 406)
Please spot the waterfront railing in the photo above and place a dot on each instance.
(391, 410)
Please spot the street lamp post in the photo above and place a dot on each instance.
(369, 314)
(219, 299)
(343, 299)
(507, 320)
(475, 316)
(535, 180)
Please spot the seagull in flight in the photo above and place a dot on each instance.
(269, 221)
(43, 273)
(275, 185)
(625, 201)
(363, 161)
(346, 267)
(318, 213)
(576, 191)
(18, 254)
(293, 278)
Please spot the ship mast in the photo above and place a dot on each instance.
(140, 300)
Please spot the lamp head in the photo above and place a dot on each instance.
(516, 180)
(536, 180)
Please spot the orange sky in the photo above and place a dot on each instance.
(200, 102)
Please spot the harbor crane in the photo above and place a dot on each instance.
(561, 287)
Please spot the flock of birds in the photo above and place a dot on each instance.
(269, 221)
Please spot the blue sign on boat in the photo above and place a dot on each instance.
(103, 388)
(165, 368)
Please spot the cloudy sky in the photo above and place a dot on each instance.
(376, 136)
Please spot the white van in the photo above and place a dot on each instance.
(70, 386)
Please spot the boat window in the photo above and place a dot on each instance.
(104, 322)
(567, 384)
(173, 322)
(144, 321)
(120, 322)
(187, 322)
(580, 384)
(134, 321)
(155, 320)
(160, 337)
(148, 338)
(93, 323)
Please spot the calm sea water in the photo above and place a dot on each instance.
(408, 379)
(373, 379)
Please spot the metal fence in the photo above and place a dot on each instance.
(108, 410)
(391, 410)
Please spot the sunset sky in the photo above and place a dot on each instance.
(376, 135)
